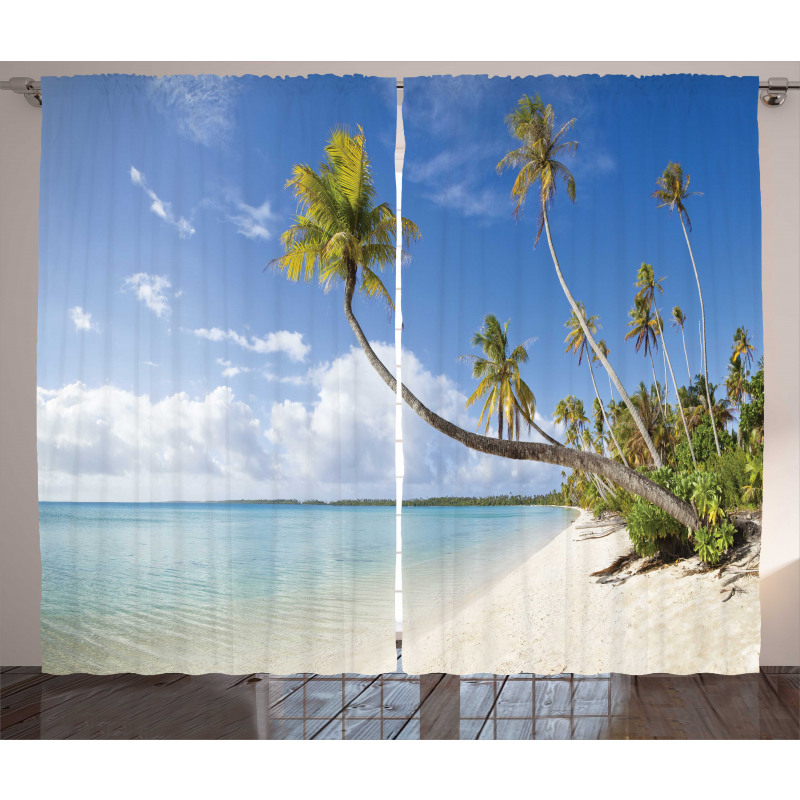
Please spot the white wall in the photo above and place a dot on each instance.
(779, 130)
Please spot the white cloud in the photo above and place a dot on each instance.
(472, 202)
(133, 448)
(289, 342)
(160, 207)
(343, 444)
(82, 319)
(294, 380)
(150, 289)
(109, 443)
(201, 106)
(251, 222)
(231, 370)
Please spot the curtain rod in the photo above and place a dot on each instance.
(773, 94)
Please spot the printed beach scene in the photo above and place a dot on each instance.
(583, 378)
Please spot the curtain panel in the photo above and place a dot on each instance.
(193, 401)
(650, 194)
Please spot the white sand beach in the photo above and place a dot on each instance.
(549, 616)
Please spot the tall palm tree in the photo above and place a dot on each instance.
(673, 189)
(649, 287)
(533, 124)
(678, 321)
(742, 348)
(576, 343)
(507, 395)
(340, 234)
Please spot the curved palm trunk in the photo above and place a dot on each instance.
(703, 323)
(675, 384)
(686, 353)
(526, 451)
(603, 360)
(605, 417)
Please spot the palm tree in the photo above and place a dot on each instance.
(576, 343)
(672, 193)
(735, 385)
(648, 287)
(678, 321)
(571, 414)
(643, 327)
(339, 234)
(533, 123)
(742, 347)
(650, 411)
(507, 395)
(697, 404)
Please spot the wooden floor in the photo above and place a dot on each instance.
(399, 706)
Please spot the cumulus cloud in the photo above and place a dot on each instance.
(82, 319)
(289, 342)
(344, 442)
(162, 208)
(150, 289)
(109, 443)
(118, 441)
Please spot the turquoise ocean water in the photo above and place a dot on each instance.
(236, 588)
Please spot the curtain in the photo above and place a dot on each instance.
(192, 401)
(564, 249)
(581, 366)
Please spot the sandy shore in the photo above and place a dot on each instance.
(549, 616)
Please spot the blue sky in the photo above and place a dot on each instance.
(475, 258)
(172, 366)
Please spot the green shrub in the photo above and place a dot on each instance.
(711, 543)
(731, 471)
(653, 531)
(703, 444)
(753, 490)
(621, 502)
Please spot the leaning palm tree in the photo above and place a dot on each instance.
(673, 189)
(678, 321)
(576, 343)
(649, 287)
(533, 124)
(506, 394)
(340, 234)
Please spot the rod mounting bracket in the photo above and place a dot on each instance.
(775, 92)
